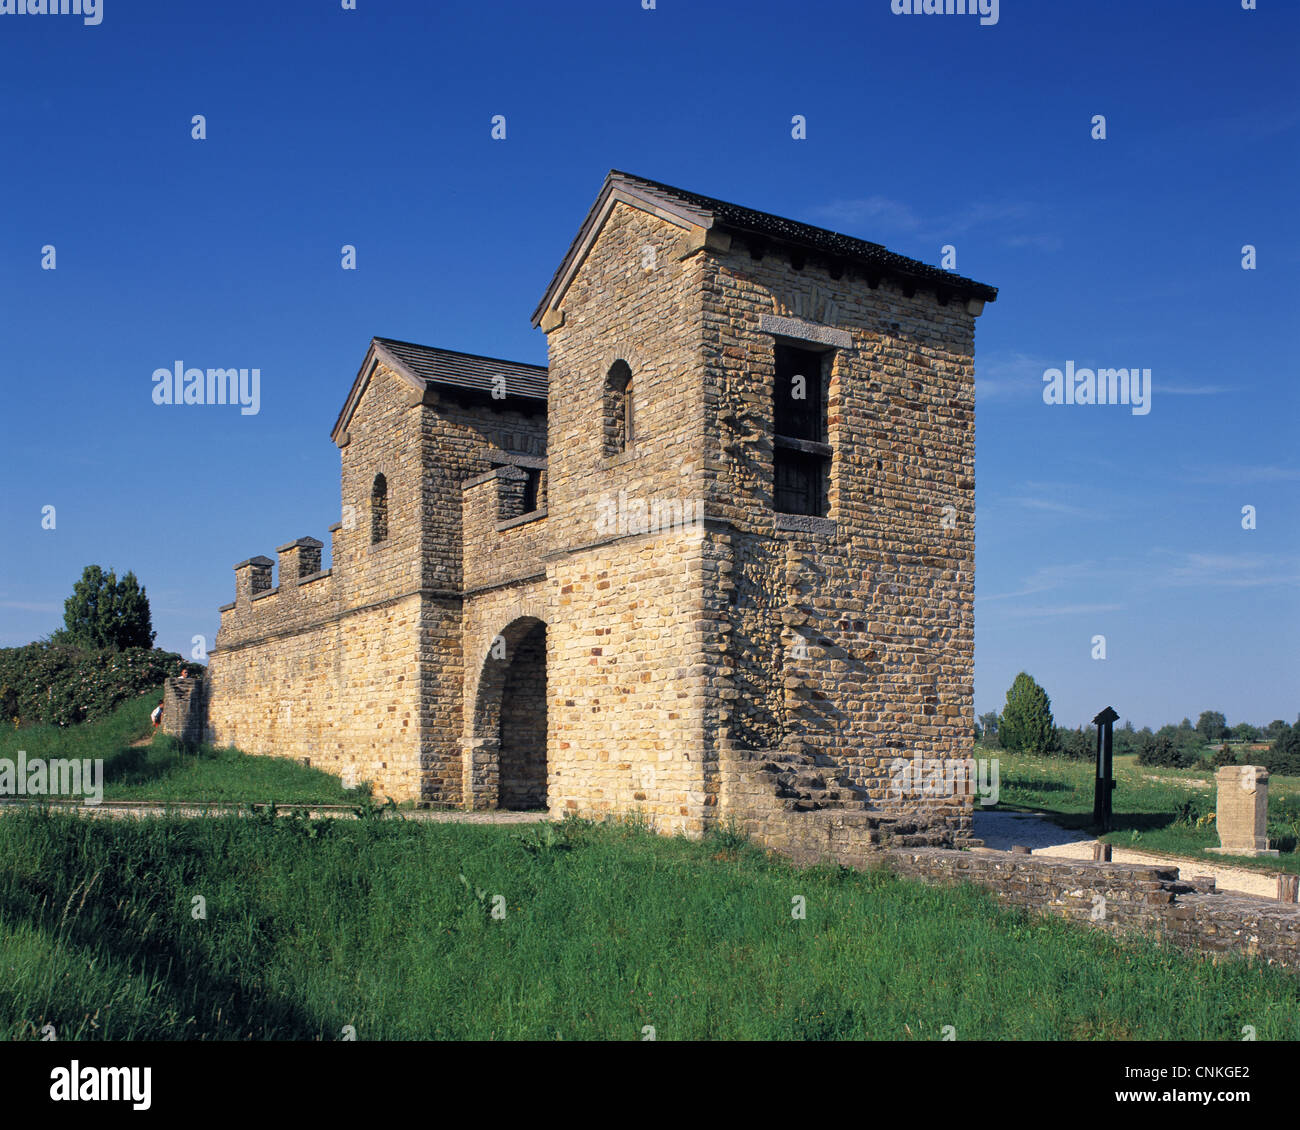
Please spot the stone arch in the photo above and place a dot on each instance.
(504, 750)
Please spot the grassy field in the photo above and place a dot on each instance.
(162, 770)
(387, 925)
(1168, 815)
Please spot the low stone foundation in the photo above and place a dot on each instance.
(1120, 897)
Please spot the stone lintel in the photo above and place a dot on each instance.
(552, 320)
(797, 329)
(806, 524)
(498, 456)
(975, 306)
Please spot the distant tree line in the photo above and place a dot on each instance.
(1026, 725)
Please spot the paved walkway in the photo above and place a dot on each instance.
(1000, 830)
(127, 809)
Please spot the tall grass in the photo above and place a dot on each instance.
(388, 925)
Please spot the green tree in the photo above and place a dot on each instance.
(1284, 757)
(1275, 729)
(105, 612)
(1212, 726)
(1245, 732)
(1027, 723)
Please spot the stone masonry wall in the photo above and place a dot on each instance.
(1121, 898)
(881, 592)
(359, 667)
(628, 636)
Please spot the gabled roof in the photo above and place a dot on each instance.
(423, 366)
(690, 209)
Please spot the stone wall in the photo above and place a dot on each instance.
(854, 632)
(359, 667)
(634, 655)
(185, 710)
(1121, 897)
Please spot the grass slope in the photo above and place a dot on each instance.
(162, 770)
(388, 925)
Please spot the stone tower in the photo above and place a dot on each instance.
(715, 561)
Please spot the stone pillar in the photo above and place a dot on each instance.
(252, 577)
(298, 559)
(482, 773)
(1242, 813)
(185, 714)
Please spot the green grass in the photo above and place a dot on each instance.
(314, 925)
(164, 770)
(1164, 816)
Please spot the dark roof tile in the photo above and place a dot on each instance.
(467, 370)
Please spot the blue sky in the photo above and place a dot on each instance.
(371, 127)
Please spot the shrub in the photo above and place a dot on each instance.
(1225, 756)
(1078, 745)
(1163, 751)
(64, 685)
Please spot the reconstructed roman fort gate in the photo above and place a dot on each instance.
(716, 561)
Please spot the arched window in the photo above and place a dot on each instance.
(618, 409)
(379, 510)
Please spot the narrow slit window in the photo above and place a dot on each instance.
(379, 510)
(618, 421)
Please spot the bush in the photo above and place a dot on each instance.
(1163, 751)
(1225, 756)
(63, 685)
(1078, 745)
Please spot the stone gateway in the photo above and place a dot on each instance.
(714, 563)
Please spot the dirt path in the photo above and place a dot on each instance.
(1000, 830)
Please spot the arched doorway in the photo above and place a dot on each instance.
(508, 750)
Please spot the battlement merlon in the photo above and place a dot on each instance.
(300, 563)
(252, 578)
(493, 515)
(299, 560)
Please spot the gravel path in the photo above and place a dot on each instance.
(1000, 830)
